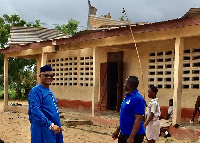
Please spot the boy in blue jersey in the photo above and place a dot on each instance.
(131, 127)
(43, 111)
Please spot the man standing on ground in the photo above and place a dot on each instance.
(131, 126)
(43, 111)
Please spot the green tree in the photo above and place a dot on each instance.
(20, 76)
(14, 20)
(4, 32)
(70, 28)
(37, 24)
(23, 84)
(1, 68)
(122, 19)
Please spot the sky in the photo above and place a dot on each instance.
(58, 12)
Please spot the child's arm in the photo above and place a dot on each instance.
(149, 119)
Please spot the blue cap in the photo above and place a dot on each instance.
(45, 68)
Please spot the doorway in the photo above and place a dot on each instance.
(111, 82)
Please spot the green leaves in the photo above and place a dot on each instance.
(122, 19)
(4, 34)
(70, 28)
(37, 24)
(14, 20)
(20, 73)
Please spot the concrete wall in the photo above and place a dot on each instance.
(144, 49)
(189, 95)
(131, 67)
(72, 92)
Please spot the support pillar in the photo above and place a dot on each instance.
(41, 61)
(178, 71)
(5, 81)
(96, 74)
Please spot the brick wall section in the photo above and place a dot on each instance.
(75, 104)
(164, 110)
(186, 113)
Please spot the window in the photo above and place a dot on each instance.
(161, 66)
(86, 71)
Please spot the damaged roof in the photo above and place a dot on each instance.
(192, 17)
(25, 35)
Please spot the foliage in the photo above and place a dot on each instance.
(122, 19)
(37, 24)
(70, 28)
(23, 84)
(105, 15)
(1, 92)
(14, 20)
(12, 94)
(1, 69)
(21, 77)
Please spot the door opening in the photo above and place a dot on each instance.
(112, 85)
(111, 82)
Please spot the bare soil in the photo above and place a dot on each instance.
(15, 128)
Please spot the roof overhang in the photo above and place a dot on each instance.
(188, 26)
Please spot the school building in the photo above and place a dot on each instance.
(91, 66)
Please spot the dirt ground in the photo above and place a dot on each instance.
(15, 128)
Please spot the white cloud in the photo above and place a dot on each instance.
(60, 11)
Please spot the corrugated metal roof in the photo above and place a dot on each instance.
(25, 35)
(110, 32)
(192, 12)
(96, 21)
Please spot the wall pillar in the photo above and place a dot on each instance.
(96, 74)
(41, 61)
(178, 71)
(5, 80)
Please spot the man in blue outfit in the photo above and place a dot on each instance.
(43, 111)
(131, 126)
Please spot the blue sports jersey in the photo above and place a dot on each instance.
(43, 111)
(132, 104)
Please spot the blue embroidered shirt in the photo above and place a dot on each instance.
(43, 111)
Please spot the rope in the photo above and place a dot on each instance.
(135, 44)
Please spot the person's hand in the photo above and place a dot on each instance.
(57, 129)
(130, 139)
(115, 134)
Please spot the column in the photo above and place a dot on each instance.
(5, 80)
(41, 61)
(178, 71)
(38, 68)
(96, 73)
